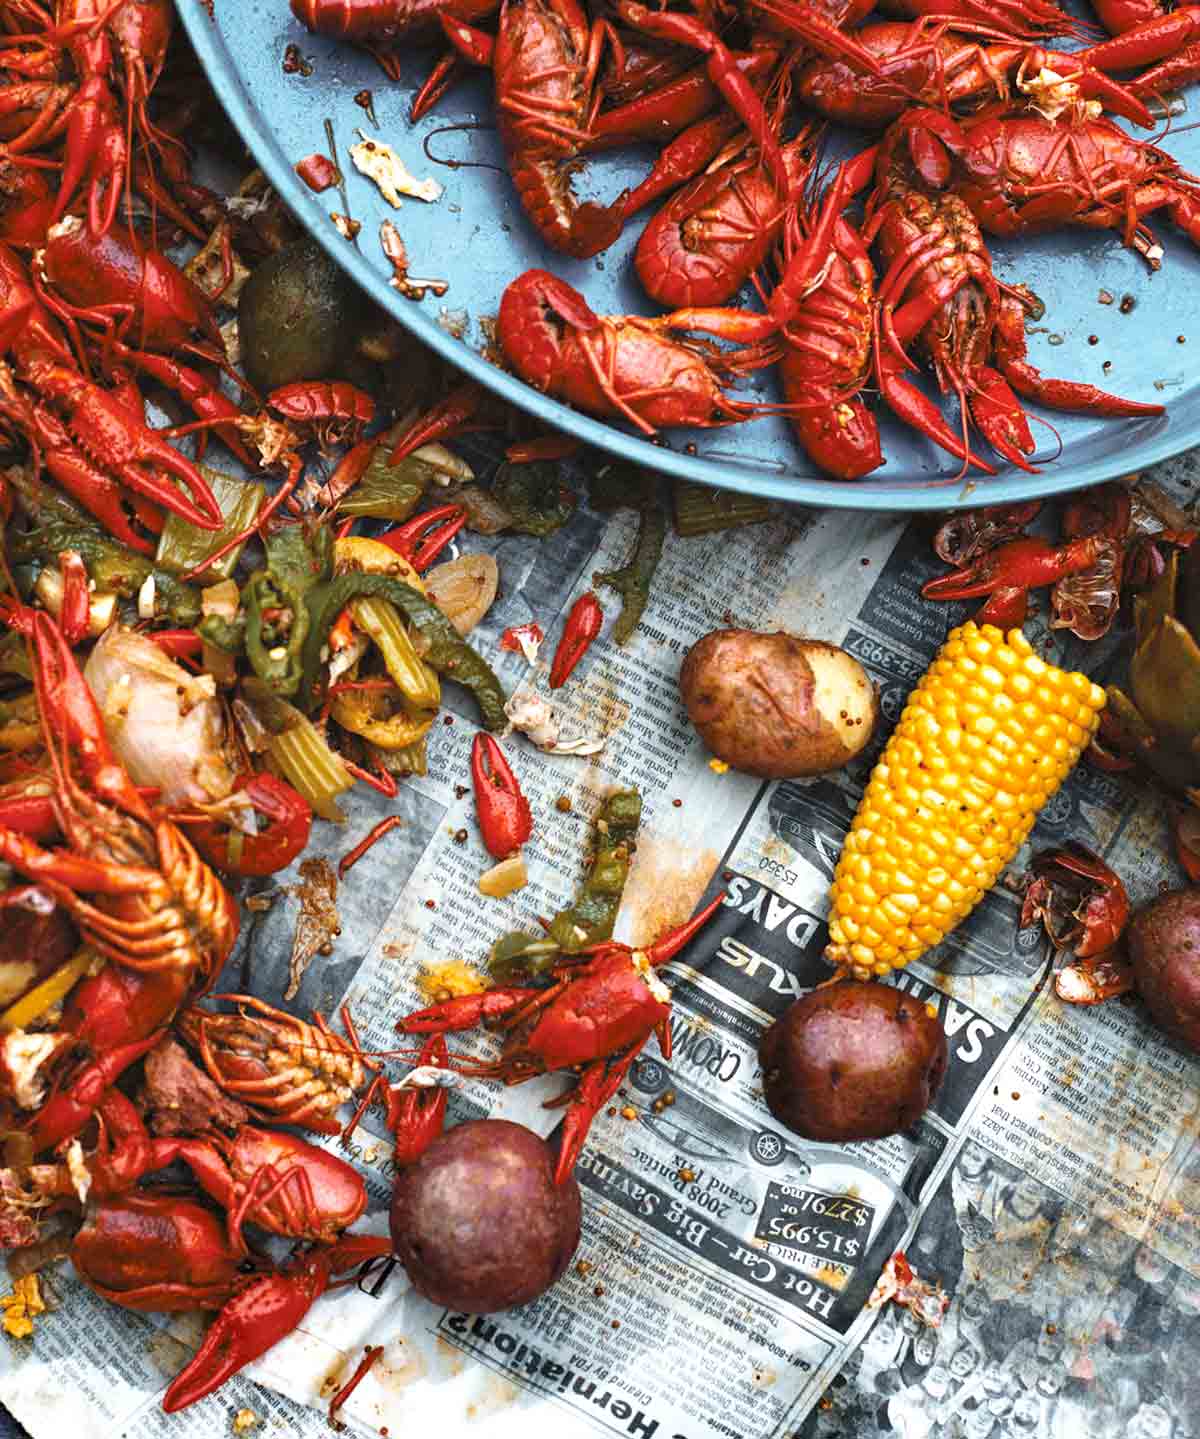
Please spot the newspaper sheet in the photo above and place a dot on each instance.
(725, 1262)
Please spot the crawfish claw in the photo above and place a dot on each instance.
(250, 1324)
(465, 1011)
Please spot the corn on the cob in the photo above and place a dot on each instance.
(988, 735)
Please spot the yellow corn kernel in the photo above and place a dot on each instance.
(1001, 729)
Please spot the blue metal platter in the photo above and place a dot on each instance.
(477, 238)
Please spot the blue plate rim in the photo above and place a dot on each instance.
(902, 496)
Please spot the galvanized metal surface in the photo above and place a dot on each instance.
(478, 239)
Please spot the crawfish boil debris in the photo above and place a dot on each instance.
(196, 666)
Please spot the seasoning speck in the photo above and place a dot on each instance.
(563, 804)
(1093, 339)
(1106, 297)
(460, 836)
(294, 62)
(686, 1175)
(1127, 304)
(678, 803)
(430, 904)
(584, 1268)
(629, 1112)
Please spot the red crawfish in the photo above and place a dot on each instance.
(281, 1066)
(95, 437)
(1028, 175)
(1083, 907)
(147, 309)
(545, 63)
(712, 235)
(1007, 574)
(797, 306)
(545, 60)
(614, 366)
(368, 22)
(1086, 603)
(930, 64)
(827, 360)
(940, 291)
(128, 38)
(1077, 898)
(1021, 19)
(601, 1007)
(265, 1177)
(265, 1312)
(155, 907)
(162, 1253)
(967, 535)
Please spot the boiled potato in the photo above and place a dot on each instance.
(852, 1061)
(478, 1221)
(1164, 945)
(778, 706)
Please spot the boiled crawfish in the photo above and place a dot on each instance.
(613, 365)
(298, 1073)
(601, 1007)
(157, 910)
(940, 291)
(1026, 175)
(713, 234)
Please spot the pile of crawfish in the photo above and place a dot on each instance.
(987, 129)
(142, 776)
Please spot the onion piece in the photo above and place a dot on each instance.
(464, 589)
(504, 878)
(166, 725)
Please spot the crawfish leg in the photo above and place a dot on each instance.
(1057, 394)
(600, 1082)
(1002, 421)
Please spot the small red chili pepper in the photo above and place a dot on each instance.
(423, 538)
(582, 627)
(517, 637)
(1185, 827)
(179, 644)
(274, 848)
(504, 818)
(76, 597)
(318, 172)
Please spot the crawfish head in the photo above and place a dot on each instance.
(971, 533)
(158, 1253)
(613, 1002)
(1079, 901)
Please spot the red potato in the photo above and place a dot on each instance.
(852, 1061)
(776, 705)
(478, 1221)
(1163, 940)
